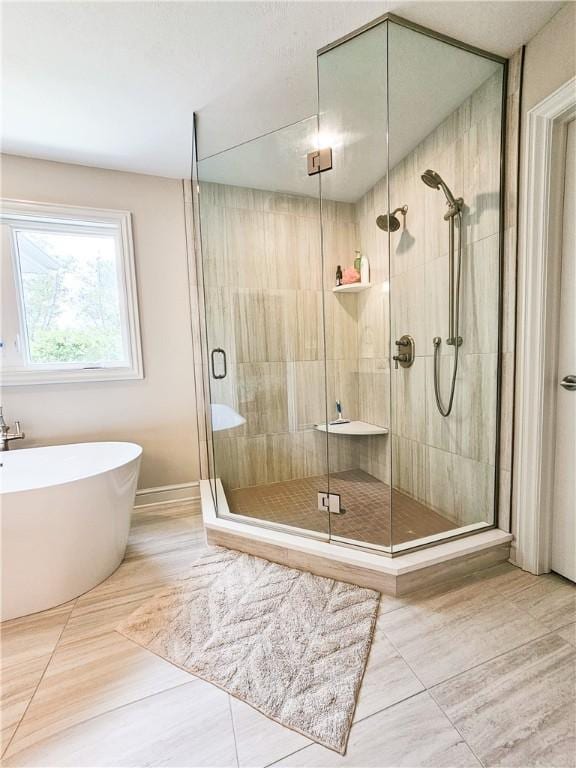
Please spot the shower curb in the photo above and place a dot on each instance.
(396, 575)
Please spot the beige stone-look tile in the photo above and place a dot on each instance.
(504, 503)
(89, 677)
(259, 740)
(241, 461)
(479, 296)
(436, 305)
(406, 244)
(27, 646)
(387, 679)
(307, 402)
(296, 205)
(293, 256)
(246, 257)
(262, 398)
(481, 149)
(185, 726)
(374, 390)
(509, 291)
(518, 709)
(412, 733)
(475, 491)
(374, 456)
(410, 467)
(442, 432)
(216, 268)
(341, 313)
(220, 320)
(17, 690)
(93, 668)
(441, 491)
(507, 410)
(475, 408)
(342, 385)
(156, 532)
(551, 600)
(507, 579)
(568, 633)
(512, 158)
(374, 322)
(340, 240)
(408, 310)
(409, 401)
(284, 456)
(307, 326)
(448, 634)
(263, 323)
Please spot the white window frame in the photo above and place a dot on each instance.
(18, 214)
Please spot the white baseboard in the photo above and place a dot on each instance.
(168, 495)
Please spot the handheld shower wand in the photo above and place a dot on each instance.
(434, 180)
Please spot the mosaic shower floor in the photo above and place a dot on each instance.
(367, 502)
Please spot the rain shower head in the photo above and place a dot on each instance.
(434, 180)
(389, 222)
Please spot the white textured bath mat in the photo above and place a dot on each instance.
(291, 644)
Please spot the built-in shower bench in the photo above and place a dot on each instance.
(352, 428)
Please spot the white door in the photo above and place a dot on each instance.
(564, 512)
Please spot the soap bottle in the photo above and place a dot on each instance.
(364, 270)
(338, 275)
(357, 261)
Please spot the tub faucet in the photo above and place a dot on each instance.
(5, 437)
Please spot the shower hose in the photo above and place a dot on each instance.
(454, 323)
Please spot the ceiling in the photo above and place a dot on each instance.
(115, 84)
(419, 84)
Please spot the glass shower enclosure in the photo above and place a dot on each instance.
(351, 280)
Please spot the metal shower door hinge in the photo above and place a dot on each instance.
(319, 161)
(330, 502)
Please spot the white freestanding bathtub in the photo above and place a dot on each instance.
(65, 517)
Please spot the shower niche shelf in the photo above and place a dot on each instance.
(353, 428)
(351, 287)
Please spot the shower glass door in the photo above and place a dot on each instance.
(413, 349)
(445, 127)
(353, 119)
(264, 329)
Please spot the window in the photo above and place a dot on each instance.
(69, 307)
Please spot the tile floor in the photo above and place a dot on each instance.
(372, 514)
(481, 674)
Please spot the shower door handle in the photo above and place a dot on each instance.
(218, 351)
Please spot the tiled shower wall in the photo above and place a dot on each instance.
(263, 284)
(446, 463)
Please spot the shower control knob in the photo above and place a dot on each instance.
(405, 358)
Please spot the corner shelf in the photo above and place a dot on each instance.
(351, 287)
(352, 428)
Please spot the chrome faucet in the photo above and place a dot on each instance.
(5, 437)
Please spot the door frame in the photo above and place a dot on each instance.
(538, 321)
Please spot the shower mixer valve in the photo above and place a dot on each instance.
(406, 357)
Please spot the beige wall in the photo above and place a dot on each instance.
(550, 57)
(158, 412)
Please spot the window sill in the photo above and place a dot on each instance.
(23, 377)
